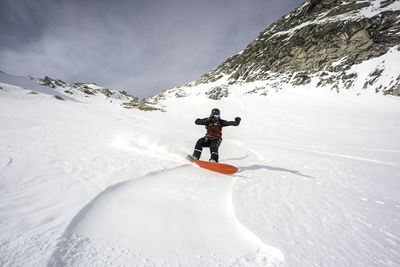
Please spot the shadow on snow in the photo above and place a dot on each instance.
(255, 167)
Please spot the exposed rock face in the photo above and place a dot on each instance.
(323, 37)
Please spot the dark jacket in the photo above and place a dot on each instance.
(214, 127)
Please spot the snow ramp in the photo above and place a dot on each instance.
(178, 217)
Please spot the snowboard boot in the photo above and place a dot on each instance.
(214, 157)
(196, 154)
(190, 157)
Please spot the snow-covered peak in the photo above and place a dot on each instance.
(8, 81)
(82, 92)
(84, 89)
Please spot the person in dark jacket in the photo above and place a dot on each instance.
(213, 138)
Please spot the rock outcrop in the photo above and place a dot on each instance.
(321, 39)
(313, 38)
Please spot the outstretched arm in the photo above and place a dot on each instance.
(201, 121)
(236, 122)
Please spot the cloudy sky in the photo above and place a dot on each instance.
(136, 45)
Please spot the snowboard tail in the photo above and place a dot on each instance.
(213, 166)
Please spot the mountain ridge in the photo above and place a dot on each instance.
(78, 91)
(321, 40)
(337, 45)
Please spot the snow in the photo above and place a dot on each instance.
(88, 183)
(28, 84)
(169, 212)
(367, 12)
(387, 63)
(375, 8)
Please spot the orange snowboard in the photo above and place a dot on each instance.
(213, 166)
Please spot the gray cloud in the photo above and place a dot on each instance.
(140, 46)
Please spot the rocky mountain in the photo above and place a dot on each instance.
(336, 44)
(339, 45)
(74, 91)
(86, 88)
(91, 89)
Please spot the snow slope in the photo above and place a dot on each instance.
(92, 184)
(28, 84)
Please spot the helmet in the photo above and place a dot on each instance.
(215, 113)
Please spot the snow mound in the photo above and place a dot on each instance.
(183, 215)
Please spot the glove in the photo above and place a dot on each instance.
(237, 121)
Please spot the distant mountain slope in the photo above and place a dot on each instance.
(338, 44)
(25, 83)
(73, 91)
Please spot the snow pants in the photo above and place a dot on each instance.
(213, 144)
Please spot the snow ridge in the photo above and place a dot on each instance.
(195, 207)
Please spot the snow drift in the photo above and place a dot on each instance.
(181, 216)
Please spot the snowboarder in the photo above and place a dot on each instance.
(213, 138)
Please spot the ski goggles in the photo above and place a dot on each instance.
(217, 117)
